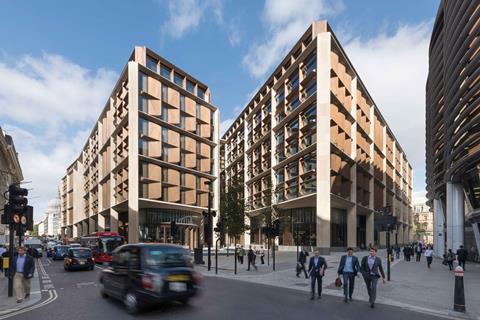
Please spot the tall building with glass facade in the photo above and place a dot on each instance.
(151, 158)
(453, 126)
(313, 149)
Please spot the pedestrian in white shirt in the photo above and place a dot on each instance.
(429, 255)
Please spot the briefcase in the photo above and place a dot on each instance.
(338, 282)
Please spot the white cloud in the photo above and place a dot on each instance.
(187, 15)
(48, 104)
(286, 21)
(394, 69)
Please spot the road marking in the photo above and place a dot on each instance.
(99, 267)
(52, 297)
(84, 284)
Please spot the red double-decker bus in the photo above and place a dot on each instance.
(102, 245)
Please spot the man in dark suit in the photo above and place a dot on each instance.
(302, 259)
(23, 267)
(371, 269)
(316, 270)
(348, 268)
(251, 258)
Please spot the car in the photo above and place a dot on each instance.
(78, 258)
(60, 252)
(144, 274)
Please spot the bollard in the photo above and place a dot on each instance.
(459, 297)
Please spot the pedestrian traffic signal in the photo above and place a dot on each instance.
(276, 227)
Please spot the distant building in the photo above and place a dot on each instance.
(10, 172)
(423, 223)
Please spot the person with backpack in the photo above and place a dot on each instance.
(449, 259)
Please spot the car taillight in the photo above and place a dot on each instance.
(196, 278)
(147, 282)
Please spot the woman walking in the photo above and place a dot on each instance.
(429, 256)
(450, 257)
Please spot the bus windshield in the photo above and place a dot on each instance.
(110, 243)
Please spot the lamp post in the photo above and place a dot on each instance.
(208, 224)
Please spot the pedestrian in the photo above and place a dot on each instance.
(405, 251)
(429, 256)
(316, 271)
(302, 259)
(418, 251)
(251, 258)
(262, 255)
(397, 251)
(450, 257)
(23, 267)
(241, 254)
(462, 255)
(348, 268)
(372, 269)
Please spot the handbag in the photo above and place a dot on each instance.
(338, 282)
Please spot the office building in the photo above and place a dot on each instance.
(314, 150)
(453, 126)
(151, 158)
(423, 223)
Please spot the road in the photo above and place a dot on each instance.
(79, 298)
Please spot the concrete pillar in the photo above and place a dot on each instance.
(438, 232)
(101, 222)
(247, 238)
(352, 227)
(323, 143)
(455, 216)
(133, 209)
(91, 225)
(113, 220)
(370, 228)
(476, 232)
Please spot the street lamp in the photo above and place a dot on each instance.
(208, 230)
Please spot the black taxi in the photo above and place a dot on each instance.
(146, 274)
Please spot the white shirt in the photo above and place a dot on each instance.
(428, 253)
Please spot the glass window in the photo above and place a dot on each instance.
(165, 71)
(182, 102)
(280, 96)
(143, 147)
(142, 103)
(338, 227)
(142, 82)
(164, 152)
(280, 137)
(294, 104)
(182, 158)
(294, 82)
(164, 115)
(182, 178)
(280, 176)
(293, 125)
(311, 63)
(143, 126)
(182, 121)
(311, 113)
(197, 110)
(190, 86)
(293, 147)
(178, 79)
(152, 64)
(182, 142)
(201, 93)
(293, 168)
(164, 93)
(311, 89)
(166, 257)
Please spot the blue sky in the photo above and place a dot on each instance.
(71, 52)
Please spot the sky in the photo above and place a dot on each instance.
(60, 59)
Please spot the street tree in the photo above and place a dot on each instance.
(232, 208)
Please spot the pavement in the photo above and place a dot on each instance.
(412, 287)
(9, 304)
(78, 298)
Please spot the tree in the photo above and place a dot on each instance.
(35, 230)
(232, 208)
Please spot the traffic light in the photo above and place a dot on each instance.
(17, 211)
(17, 198)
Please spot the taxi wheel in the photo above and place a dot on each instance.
(131, 303)
(184, 300)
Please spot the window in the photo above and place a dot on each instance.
(310, 115)
(142, 82)
(190, 86)
(165, 71)
(198, 186)
(311, 89)
(182, 121)
(152, 64)
(182, 142)
(293, 126)
(164, 93)
(182, 196)
(182, 158)
(164, 115)
(294, 82)
(143, 126)
(294, 104)
(178, 79)
(279, 96)
(182, 102)
(293, 169)
(144, 169)
(280, 176)
(143, 147)
(143, 190)
(142, 104)
(293, 147)
(201, 93)
(311, 64)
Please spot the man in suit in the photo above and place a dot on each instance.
(371, 269)
(316, 270)
(251, 258)
(302, 259)
(348, 268)
(23, 267)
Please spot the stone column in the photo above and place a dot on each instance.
(438, 232)
(455, 216)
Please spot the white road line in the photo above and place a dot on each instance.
(52, 297)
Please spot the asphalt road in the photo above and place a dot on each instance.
(79, 298)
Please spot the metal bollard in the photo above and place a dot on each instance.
(459, 297)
